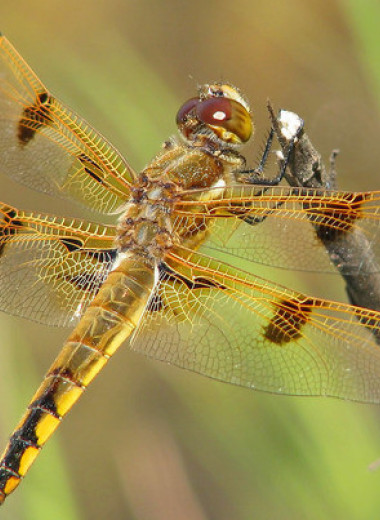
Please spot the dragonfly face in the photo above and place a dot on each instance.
(219, 114)
(152, 279)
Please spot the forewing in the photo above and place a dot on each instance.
(227, 324)
(49, 148)
(51, 267)
(284, 227)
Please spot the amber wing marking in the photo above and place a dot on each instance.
(332, 219)
(51, 267)
(283, 215)
(53, 149)
(91, 168)
(289, 319)
(9, 225)
(244, 330)
(34, 117)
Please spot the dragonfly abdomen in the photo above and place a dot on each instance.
(109, 320)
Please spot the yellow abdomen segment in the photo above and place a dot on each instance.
(109, 320)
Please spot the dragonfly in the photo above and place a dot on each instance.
(166, 277)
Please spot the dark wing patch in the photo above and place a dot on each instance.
(332, 218)
(71, 244)
(46, 146)
(51, 267)
(198, 282)
(156, 302)
(34, 117)
(291, 315)
(91, 168)
(9, 226)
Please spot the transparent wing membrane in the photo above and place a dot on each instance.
(51, 267)
(49, 148)
(227, 324)
(285, 227)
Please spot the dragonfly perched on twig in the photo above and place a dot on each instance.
(153, 280)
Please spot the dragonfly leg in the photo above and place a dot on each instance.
(288, 127)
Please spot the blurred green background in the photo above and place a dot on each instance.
(148, 441)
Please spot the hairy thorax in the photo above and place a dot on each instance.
(147, 225)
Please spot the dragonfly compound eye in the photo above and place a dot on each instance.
(186, 109)
(228, 119)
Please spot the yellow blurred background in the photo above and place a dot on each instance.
(148, 441)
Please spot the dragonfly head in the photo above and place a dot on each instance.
(219, 114)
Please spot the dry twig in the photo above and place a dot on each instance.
(307, 170)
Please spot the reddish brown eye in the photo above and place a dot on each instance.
(185, 110)
(229, 119)
(214, 111)
(214, 116)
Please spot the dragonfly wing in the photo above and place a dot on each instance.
(286, 227)
(49, 148)
(227, 324)
(51, 267)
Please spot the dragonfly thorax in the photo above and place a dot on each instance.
(145, 227)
